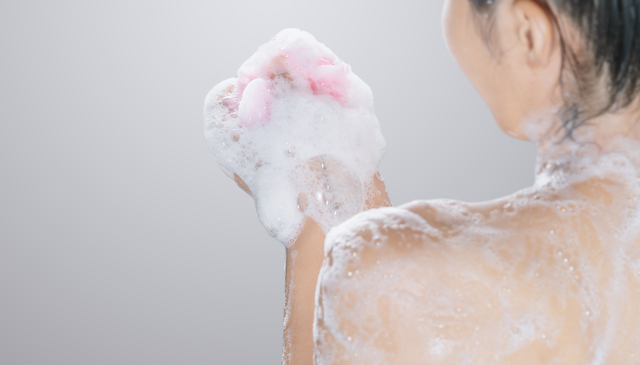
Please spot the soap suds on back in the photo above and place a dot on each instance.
(551, 271)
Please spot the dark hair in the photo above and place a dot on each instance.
(610, 30)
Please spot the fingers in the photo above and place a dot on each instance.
(242, 185)
(380, 197)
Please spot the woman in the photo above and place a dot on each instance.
(548, 275)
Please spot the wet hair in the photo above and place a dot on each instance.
(609, 55)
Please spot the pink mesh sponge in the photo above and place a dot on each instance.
(294, 104)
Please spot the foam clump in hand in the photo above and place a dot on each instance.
(298, 127)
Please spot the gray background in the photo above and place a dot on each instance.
(121, 241)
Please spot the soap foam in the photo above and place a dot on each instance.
(298, 127)
(494, 282)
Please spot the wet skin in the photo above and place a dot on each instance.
(548, 274)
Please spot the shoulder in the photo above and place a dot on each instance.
(413, 244)
(375, 226)
(415, 224)
(385, 269)
(435, 274)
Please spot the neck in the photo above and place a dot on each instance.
(611, 133)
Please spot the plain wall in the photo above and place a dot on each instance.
(121, 241)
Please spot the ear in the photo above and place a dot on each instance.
(536, 32)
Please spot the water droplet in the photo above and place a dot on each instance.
(587, 312)
(566, 260)
(349, 338)
(543, 337)
(357, 272)
(349, 273)
(355, 254)
(551, 231)
(559, 253)
(537, 275)
(571, 268)
(441, 326)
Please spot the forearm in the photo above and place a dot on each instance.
(304, 259)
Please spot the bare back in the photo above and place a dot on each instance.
(549, 275)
